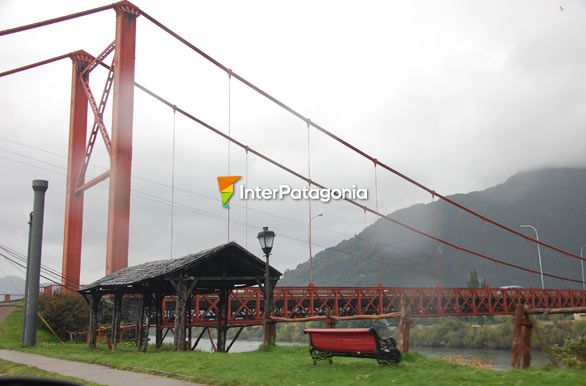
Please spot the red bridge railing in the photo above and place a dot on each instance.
(246, 305)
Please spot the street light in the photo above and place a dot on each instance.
(266, 239)
(582, 263)
(538, 252)
(310, 252)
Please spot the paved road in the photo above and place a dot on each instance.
(93, 373)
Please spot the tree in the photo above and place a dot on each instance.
(473, 281)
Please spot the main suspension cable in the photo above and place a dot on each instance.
(34, 65)
(353, 202)
(57, 20)
(348, 144)
(172, 187)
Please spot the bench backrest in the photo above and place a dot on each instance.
(347, 340)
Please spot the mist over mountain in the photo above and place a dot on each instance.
(12, 285)
(553, 200)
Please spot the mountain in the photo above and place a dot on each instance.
(552, 200)
(12, 285)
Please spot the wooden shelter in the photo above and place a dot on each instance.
(217, 270)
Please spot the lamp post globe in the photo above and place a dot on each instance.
(266, 239)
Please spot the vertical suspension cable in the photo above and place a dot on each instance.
(529, 259)
(173, 185)
(246, 201)
(568, 272)
(229, 134)
(365, 253)
(485, 247)
(309, 203)
(435, 232)
(377, 230)
(419, 268)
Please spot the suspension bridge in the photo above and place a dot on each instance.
(245, 305)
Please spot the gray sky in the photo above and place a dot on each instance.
(458, 94)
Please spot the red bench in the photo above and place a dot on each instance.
(351, 342)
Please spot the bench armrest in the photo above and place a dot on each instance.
(387, 345)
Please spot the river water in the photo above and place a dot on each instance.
(499, 359)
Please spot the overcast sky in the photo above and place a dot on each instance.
(457, 94)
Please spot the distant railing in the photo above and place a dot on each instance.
(47, 290)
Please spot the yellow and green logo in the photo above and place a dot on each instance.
(226, 184)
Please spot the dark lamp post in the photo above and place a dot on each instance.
(266, 239)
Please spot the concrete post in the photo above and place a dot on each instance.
(28, 253)
(33, 269)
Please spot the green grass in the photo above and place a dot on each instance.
(12, 369)
(290, 365)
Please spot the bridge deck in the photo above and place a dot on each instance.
(245, 305)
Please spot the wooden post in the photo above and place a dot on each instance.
(198, 338)
(521, 345)
(158, 320)
(94, 311)
(269, 326)
(221, 339)
(527, 330)
(183, 288)
(116, 317)
(222, 319)
(140, 323)
(147, 323)
(235, 338)
(330, 322)
(404, 329)
(188, 319)
(516, 346)
(178, 329)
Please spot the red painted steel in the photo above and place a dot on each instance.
(348, 340)
(55, 20)
(296, 302)
(122, 118)
(71, 262)
(350, 146)
(362, 302)
(98, 123)
(349, 200)
(33, 65)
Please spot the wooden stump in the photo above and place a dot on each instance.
(521, 345)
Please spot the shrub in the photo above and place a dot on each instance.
(67, 312)
(572, 353)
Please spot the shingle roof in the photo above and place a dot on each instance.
(156, 269)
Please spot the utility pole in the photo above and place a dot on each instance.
(28, 253)
(33, 268)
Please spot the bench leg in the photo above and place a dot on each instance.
(317, 355)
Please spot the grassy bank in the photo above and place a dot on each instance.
(12, 369)
(286, 366)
